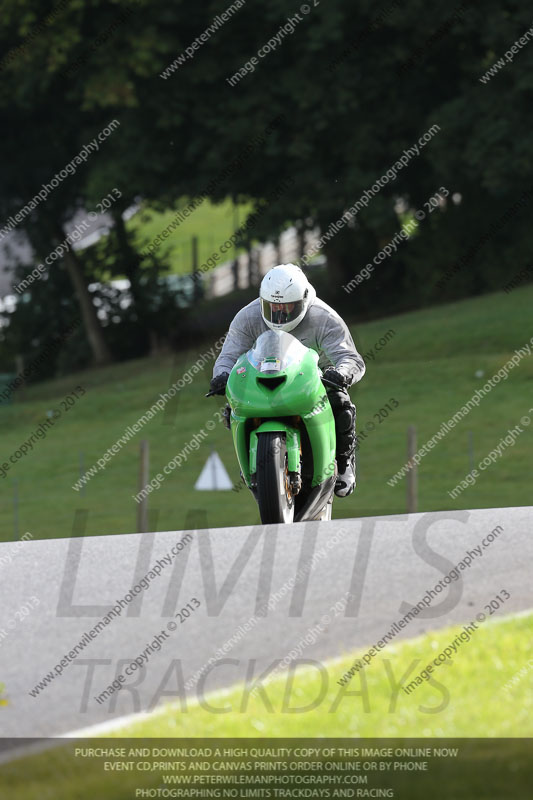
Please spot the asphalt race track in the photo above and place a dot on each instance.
(379, 566)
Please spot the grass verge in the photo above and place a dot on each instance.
(431, 364)
(467, 698)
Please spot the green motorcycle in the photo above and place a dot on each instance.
(283, 429)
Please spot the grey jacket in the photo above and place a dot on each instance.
(322, 329)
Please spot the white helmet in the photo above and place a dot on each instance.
(285, 296)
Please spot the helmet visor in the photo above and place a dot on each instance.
(281, 313)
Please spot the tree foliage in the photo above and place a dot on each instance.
(351, 88)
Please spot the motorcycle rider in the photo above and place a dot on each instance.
(288, 302)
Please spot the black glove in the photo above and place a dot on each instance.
(218, 384)
(227, 417)
(331, 374)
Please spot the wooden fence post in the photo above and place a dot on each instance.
(16, 509)
(144, 465)
(412, 475)
(470, 450)
(197, 275)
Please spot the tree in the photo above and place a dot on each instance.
(344, 90)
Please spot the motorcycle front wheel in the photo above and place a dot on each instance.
(274, 496)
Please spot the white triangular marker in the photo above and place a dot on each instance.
(214, 476)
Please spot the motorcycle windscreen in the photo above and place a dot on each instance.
(275, 351)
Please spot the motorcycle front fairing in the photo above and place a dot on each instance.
(278, 379)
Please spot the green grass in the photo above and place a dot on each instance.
(429, 367)
(211, 223)
(466, 699)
